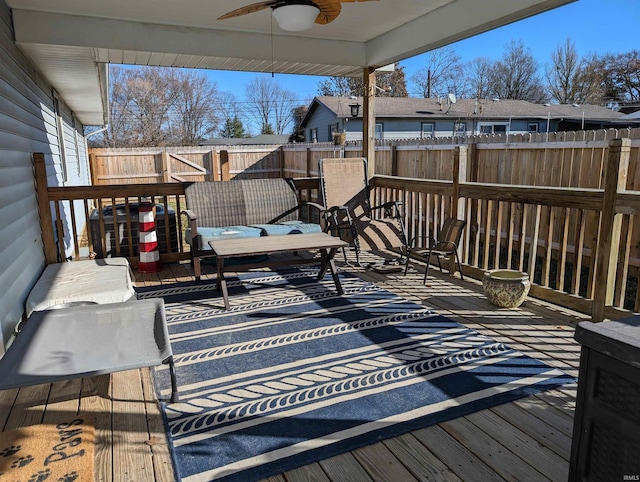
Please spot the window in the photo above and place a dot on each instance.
(379, 131)
(460, 129)
(532, 127)
(493, 127)
(428, 130)
(313, 135)
(333, 128)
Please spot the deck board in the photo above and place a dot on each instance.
(529, 439)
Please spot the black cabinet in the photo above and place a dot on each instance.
(606, 430)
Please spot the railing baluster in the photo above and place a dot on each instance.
(547, 254)
(74, 231)
(563, 256)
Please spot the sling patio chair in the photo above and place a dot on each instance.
(345, 192)
(446, 244)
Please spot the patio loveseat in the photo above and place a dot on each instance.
(239, 209)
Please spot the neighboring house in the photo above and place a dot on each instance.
(263, 139)
(408, 118)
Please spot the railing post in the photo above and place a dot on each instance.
(615, 181)
(225, 173)
(459, 173)
(46, 221)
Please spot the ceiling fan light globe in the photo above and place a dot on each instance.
(295, 18)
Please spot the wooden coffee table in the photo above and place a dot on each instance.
(232, 248)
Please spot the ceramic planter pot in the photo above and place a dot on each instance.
(506, 288)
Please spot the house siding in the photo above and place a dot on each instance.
(27, 125)
(412, 129)
(321, 120)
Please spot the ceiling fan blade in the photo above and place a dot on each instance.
(254, 7)
(330, 9)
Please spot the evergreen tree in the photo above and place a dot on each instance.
(232, 128)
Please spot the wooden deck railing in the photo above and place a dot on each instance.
(579, 245)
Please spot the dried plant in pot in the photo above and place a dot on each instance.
(339, 138)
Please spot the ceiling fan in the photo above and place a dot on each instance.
(295, 15)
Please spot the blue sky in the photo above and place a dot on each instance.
(595, 26)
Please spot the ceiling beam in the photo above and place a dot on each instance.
(32, 27)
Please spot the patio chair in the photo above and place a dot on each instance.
(345, 192)
(446, 244)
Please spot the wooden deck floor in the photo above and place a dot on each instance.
(529, 439)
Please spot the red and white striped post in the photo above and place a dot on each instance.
(149, 252)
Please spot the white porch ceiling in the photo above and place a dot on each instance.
(70, 40)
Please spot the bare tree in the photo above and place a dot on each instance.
(270, 105)
(620, 76)
(339, 86)
(515, 76)
(153, 106)
(478, 72)
(229, 109)
(441, 75)
(195, 107)
(298, 115)
(392, 84)
(261, 95)
(571, 79)
(283, 107)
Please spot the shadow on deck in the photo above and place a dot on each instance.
(529, 439)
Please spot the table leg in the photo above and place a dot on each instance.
(327, 262)
(221, 283)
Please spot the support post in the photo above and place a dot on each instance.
(46, 221)
(309, 167)
(166, 175)
(394, 159)
(208, 161)
(615, 181)
(281, 163)
(225, 173)
(369, 120)
(92, 168)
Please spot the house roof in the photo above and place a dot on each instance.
(70, 41)
(411, 107)
(263, 139)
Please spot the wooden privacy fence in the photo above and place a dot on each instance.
(183, 164)
(574, 228)
(561, 159)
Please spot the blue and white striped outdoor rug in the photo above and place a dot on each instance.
(294, 373)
